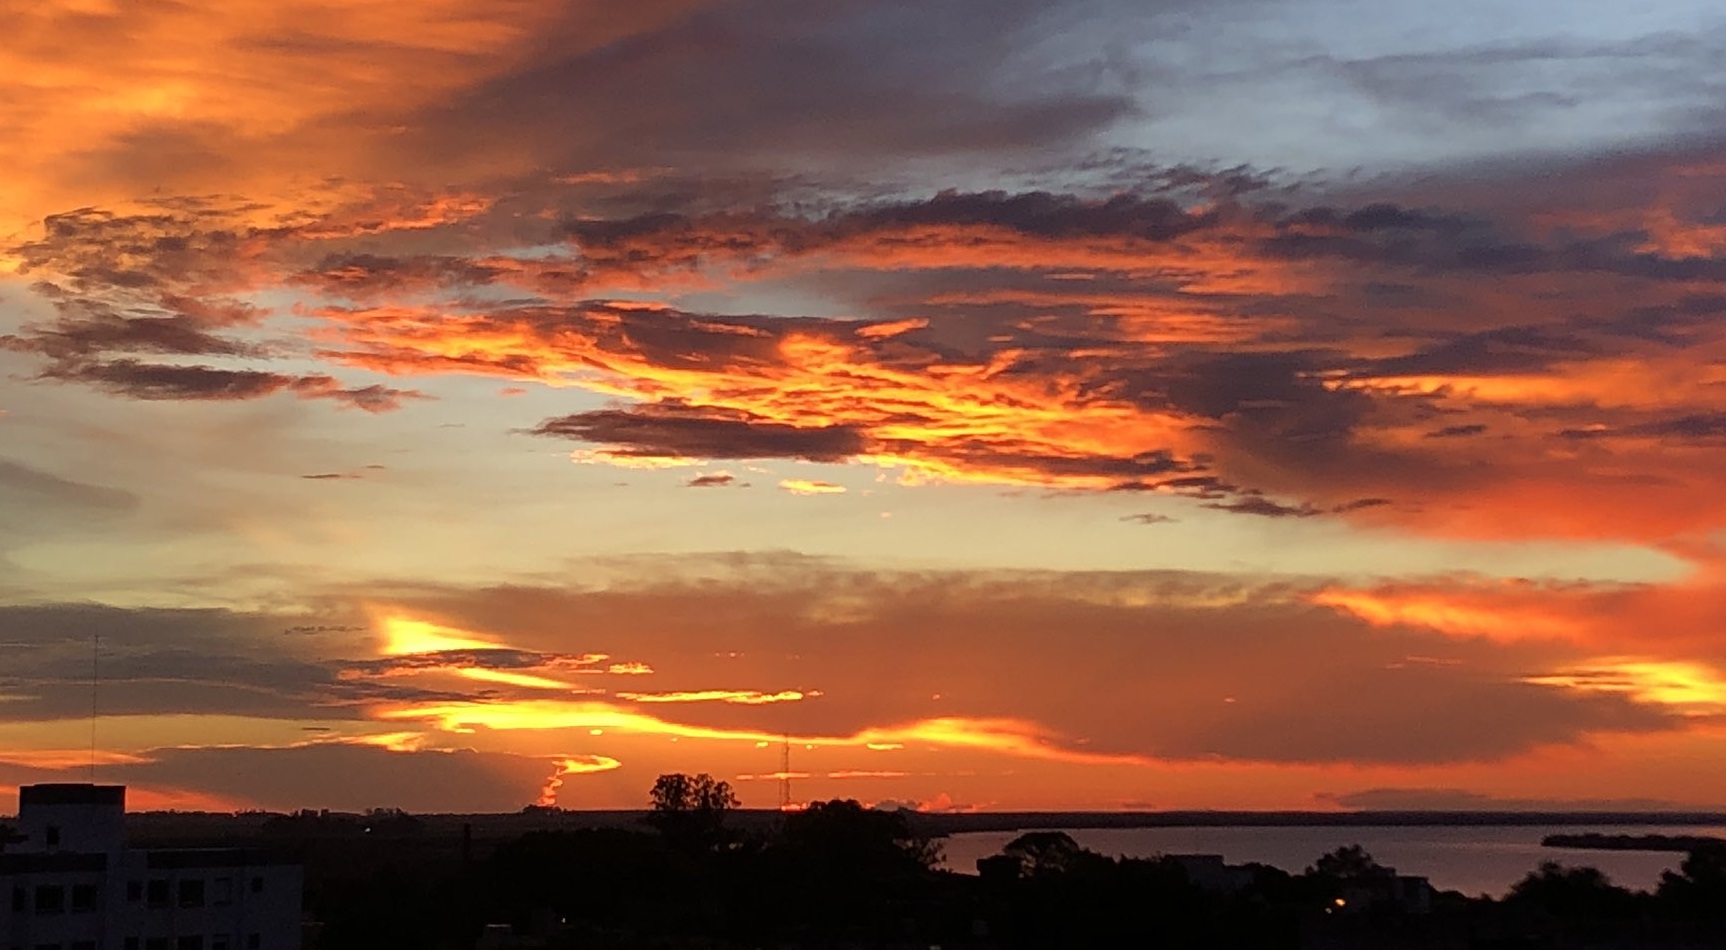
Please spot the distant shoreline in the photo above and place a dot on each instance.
(177, 825)
(945, 824)
(1599, 842)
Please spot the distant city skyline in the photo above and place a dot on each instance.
(1076, 404)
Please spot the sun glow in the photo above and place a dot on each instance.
(1694, 688)
(1005, 736)
(404, 636)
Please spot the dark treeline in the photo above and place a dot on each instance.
(839, 875)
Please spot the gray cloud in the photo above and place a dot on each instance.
(764, 83)
(678, 430)
(25, 485)
(162, 381)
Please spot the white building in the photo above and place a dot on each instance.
(68, 882)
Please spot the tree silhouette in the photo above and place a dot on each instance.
(689, 810)
(1347, 863)
(860, 839)
(851, 870)
(1045, 852)
(1570, 892)
(1699, 887)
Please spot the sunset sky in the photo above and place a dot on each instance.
(1017, 404)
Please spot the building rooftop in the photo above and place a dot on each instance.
(71, 793)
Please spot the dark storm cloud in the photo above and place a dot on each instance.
(1176, 299)
(676, 240)
(755, 83)
(355, 274)
(1250, 503)
(160, 250)
(163, 282)
(1458, 432)
(161, 381)
(1264, 508)
(1038, 215)
(140, 380)
(1143, 471)
(1707, 428)
(1512, 349)
(677, 430)
(78, 336)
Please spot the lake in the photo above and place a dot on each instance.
(1474, 860)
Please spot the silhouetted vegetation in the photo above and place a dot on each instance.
(689, 810)
(696, 873)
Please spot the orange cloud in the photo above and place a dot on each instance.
(572, 765)
(1674, 618)
(1001, 736)
(1511, 611)
(740, 697)
(66, 759)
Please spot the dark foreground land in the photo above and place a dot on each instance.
(842, 876)
(170, 828)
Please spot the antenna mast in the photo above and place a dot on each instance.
(95, 680)
(785, 774)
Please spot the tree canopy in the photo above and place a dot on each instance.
(689, 810)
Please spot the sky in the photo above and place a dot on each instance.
(984, 404)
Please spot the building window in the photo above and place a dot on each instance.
(83, 898)
(83, 945)
(192, 892)
(218, 942)
(223, 891)
(194, 942)
(254, 941)
(20, 901)
(134, 890)
(50, 898)
(131, 943)
(157, 892)
(257, 885)
(53, 837)
(156, 943)
(47, 946)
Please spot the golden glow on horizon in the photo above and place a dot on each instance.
(1004, 736)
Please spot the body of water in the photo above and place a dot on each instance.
(1474, 860)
